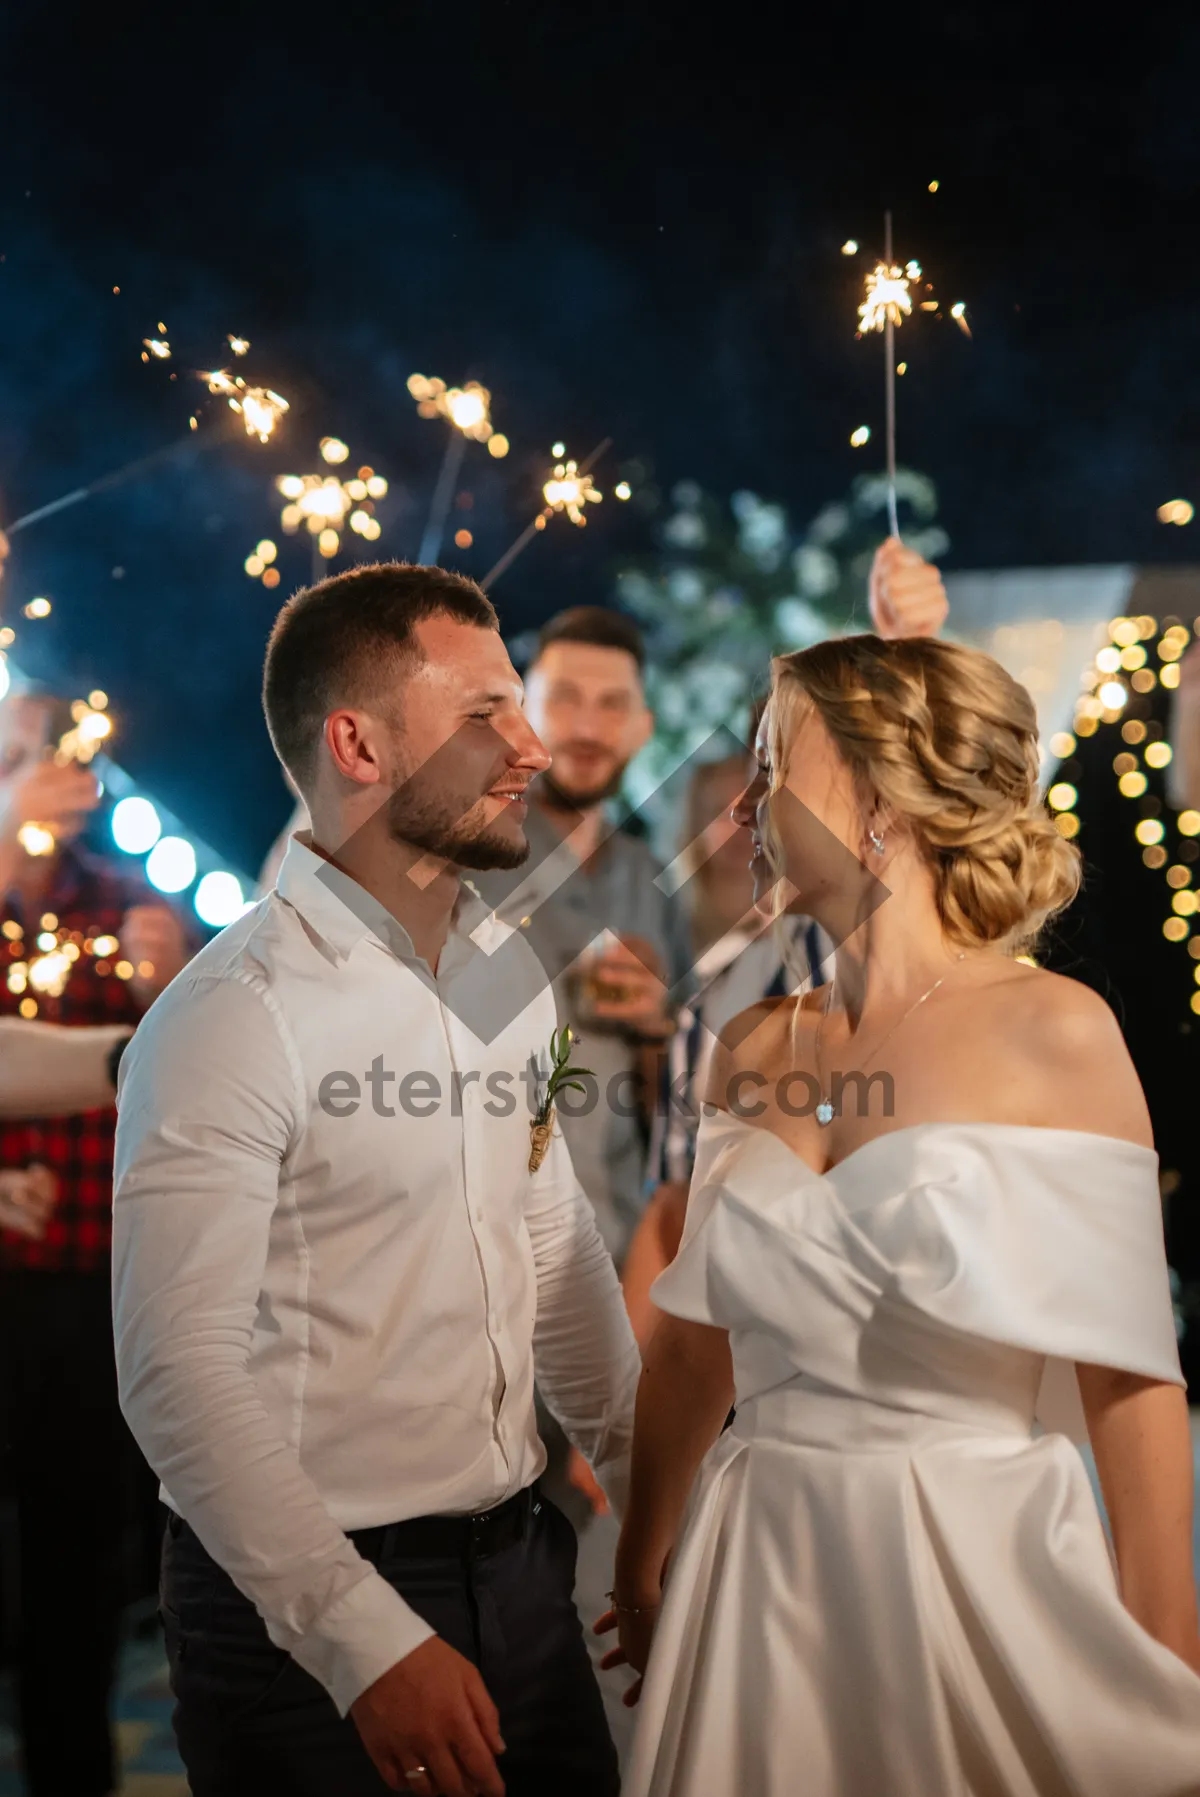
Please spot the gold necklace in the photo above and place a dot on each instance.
(825, 1112)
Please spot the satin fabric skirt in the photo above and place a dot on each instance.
(869, 1602)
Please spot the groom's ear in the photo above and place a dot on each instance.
(356, 744)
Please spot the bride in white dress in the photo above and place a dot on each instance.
(888, 1577)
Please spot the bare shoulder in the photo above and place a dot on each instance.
(758, 1037)
(1068, 1050)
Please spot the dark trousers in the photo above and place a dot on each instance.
(65, 1450)
(251, 1721)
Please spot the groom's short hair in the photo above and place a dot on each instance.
(338, 642)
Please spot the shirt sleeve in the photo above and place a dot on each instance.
(209, 1100)
(587, 1359)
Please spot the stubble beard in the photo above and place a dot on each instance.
(439, 829)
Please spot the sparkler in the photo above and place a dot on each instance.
(130, 471)
(259, 408)
(887, 302)
(468, 410)
(325, 505)
(569, 489)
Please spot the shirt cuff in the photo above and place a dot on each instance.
(357, 1639)
(613, 1480)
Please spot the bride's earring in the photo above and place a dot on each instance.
(875, 838)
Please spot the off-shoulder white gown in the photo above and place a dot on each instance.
(889, 1584)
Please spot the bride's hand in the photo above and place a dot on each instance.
(635, 1633)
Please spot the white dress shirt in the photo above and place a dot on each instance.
(327, 1315)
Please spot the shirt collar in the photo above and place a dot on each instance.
(344, 913)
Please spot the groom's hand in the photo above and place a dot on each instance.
(432, 1709)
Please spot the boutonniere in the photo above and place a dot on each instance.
(561, 1076)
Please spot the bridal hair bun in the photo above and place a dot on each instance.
(947, 742)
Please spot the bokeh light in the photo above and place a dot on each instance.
(171, 864)
(219, 899)
(136, 826)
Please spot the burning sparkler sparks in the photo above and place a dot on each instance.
(468, 410)
(260, 408)
(324, 505)
(569, 489)
(888, 299)
(887, 302)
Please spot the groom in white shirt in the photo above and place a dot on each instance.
(333, 1269)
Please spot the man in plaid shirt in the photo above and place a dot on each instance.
(81, 943)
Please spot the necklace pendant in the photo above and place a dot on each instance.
(824, 1112)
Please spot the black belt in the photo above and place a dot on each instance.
(450, 1537)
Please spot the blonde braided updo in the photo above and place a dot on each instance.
(947, 743)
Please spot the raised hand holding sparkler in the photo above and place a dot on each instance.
(56, 791)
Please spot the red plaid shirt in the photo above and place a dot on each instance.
(89, 897)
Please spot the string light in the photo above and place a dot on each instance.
(1168, 843)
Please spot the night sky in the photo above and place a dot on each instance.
(625, 221)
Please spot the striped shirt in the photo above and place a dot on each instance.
(735, 973)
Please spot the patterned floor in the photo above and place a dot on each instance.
(151, 1765)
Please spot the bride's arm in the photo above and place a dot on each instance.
(1142, 1442)
(685, 1394)
(1138, 1426)
(686, 1390)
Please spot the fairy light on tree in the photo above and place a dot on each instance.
(1138, 656)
